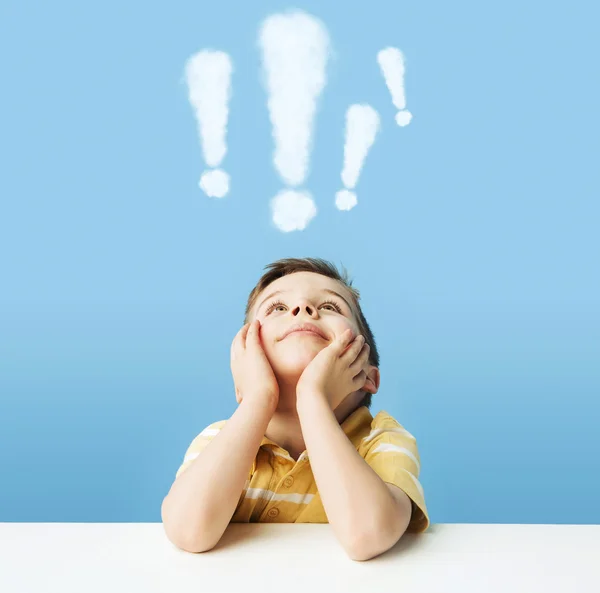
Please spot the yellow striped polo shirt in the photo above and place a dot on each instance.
(282, 490)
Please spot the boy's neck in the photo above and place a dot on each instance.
(285, 429)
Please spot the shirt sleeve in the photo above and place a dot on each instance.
(393, 454)
(199, 444)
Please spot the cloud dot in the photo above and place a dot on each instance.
(403, 118)
(292, 210)
(215, 183)
(345, 200)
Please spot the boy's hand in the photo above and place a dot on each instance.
(337, 371)
(252, 373)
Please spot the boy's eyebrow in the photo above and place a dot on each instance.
(337, 294)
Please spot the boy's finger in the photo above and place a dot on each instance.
(236, 339)
(243, 331)
(240, 338)
(361, 378)
(251, 333)
(362, 358)
(364, 353)
(355, 348)
(344, 340)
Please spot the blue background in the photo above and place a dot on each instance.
(474, 244)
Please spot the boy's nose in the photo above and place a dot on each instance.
(305, 308)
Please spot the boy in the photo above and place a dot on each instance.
(302, 446)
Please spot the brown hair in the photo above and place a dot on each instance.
(286, 266)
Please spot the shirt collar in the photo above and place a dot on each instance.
(352, 426)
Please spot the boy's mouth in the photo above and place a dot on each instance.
(304, 328)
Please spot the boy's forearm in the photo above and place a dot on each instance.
(358, 504)
(202, 500)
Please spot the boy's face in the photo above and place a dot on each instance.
(301, 298)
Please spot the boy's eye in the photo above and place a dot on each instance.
(274, 306)
(277, 304)
(334, 306)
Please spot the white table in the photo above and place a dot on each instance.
(461, 558)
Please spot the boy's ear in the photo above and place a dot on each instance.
(372, 381)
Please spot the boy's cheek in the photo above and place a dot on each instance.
(339, 331)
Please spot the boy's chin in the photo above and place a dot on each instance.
(291, 368)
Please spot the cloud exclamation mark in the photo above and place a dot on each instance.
(362, 125)
(391, 62)
(295, 49)
(208, 76)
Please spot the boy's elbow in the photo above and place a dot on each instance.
(182, 539)
(189, 543)
(194, 546)
(361, 551)
(372, 545)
